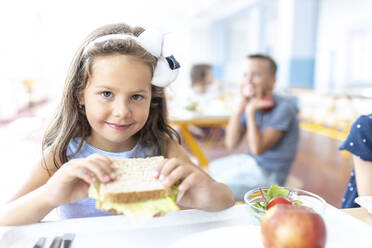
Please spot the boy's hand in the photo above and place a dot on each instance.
(259, 104)
(71, 182)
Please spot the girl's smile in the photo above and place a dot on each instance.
(118, 127)
(117, 101)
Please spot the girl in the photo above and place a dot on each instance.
(359, 143)
(113, 105)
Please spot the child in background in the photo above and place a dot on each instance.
(201, 78)
(359, 143)
(268, 123)
(113, 105)
(204, 91)
(201, 91)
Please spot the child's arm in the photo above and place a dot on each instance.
(200, 190)
(363, 176)
(259, 142)
(234, 130)
(41, 193)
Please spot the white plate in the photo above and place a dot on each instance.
(365, 201)
(232, 236)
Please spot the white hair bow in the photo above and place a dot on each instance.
(167, 67)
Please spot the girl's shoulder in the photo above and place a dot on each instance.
(362, 127)
(73, 147)
(359, 139)
(364, 119)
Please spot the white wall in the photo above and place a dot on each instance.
(338, 20)
(40, 37)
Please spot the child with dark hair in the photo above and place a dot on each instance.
(201, 77)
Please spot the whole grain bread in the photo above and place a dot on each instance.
(135, 181)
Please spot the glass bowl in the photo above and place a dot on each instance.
(308, 199)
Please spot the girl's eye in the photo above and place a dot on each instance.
(137, 97)
(106, 94)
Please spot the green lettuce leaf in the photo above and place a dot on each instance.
(276, 190)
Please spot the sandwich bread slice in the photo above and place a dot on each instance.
(135, 192)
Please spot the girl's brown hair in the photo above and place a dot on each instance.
(70, 120)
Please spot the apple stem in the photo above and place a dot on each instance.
(263, 195)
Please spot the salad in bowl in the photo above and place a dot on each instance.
(259, 200)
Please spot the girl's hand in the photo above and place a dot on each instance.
(195, 185)
(70, 183)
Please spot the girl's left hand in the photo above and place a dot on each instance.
(195, 186)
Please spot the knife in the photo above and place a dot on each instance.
(67, 239)
(56, 243)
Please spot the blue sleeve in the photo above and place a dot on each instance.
(282, 117)
(243, 121)
(359, 140)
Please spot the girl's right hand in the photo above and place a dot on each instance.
(70, 183)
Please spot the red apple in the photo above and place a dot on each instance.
(278, 200)
(292, 226)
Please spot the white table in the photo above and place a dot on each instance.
(116, 231)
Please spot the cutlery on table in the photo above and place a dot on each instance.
(40, 243)
(56, 243)
(67, 239)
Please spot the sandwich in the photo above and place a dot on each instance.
(135, 191)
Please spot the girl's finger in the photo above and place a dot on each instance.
(105, 165)
(98, 169)
(178, 173)
(187, 182)
(85, 175)
(168, 167)
(159, 168)
(104, 159)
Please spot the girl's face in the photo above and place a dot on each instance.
(117, 101)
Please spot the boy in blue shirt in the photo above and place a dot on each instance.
(268, 123)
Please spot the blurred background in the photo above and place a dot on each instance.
(322, 47)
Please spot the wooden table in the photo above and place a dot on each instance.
(207, 120)
(360, 214)
(200, 120)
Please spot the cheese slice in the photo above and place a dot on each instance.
(138, 212)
